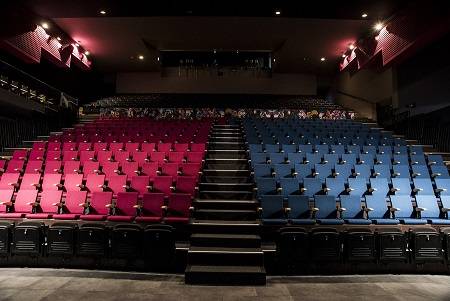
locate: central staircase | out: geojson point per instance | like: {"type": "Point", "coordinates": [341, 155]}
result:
{"type": "Point", "coordinates": [225, 241]}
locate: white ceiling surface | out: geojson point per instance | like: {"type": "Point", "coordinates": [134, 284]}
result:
{"type": "Point", "coordinates": [298, 44]}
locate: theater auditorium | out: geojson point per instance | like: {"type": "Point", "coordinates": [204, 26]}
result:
{"type": "Point", "coordinates": [235, 150]}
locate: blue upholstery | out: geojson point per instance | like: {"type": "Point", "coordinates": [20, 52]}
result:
{"type": "Point", "coordinates": [303, 170]}
{"type": "Point", "coordinates": [439, 171]}
{"type": "Point", "coordinates": [366, 159]}
{"type": "Point", "coordinates": [423, 186]}
{"type": "Point", "coordinates": [417, 159]}
{"type": "Point", "coordinates": [382, 171]}
{"type": "Point", "coordinates": [343, 170]}
{"type": "Point", "coordinates": [416, 150]}
{"type": "Point", "coordinates": [401, 186]}
{"type": "Point", "coordinates": [283, 170]}
{"type": "Point", "coordinates": [289, 186]}
{"type": "Point", "coordinates": [300, 212]}
{"type": "Point", "coordinates": [305, 148]}
{"type": "Point", "coordinates": [420, 171]}
{"type": "Point", "coordinates": [331, 158]}
{"type": "Point", "coordinates": [272, 148]}
{"type": "Point", "coordinates": [401, 159]}
{"type": "Point", "coordinates": [335, 186]}
{"type": "Point", "coordinates": [400, 150]}
{"type": "Point", "coordinates": [384, 159]}
{"type": "Point", "coordinates": [379, 186]}
{"type": "Point", "coordinates": [322, 148]}
{"type": "Point", "coordinates": [313, 158]}
{"type": "Point", "coordinates": [296, 158]}
{"type": "Point", "coordinates": [255, 148]}
{"type": "Point", "coordinates": [353, 213]}
{"type": "Point", "coordinates": [258, 158]}
{"type": "Point", "coordinates": [327, 210]}
{"type": "Point", "coordinates": [353, 149]}
{"type": "Point", "coordinates": [312, 186]}
{"type": "Point", "coordinates": [337, 149]}
{"type": "Point", "coordinates": [385, 149]}
{"type": "Point", "coordinates": [369, 149]}
{"type": "Point", "coordinates": [401, 171]}
{"type": "Point", "coordinates": [272, 210]}
{"type": "Point", "coordinates": [442, 186]}
{"type": "Point", "coordinates": [404, 211]}
{"type": "Point", "coordinates": [277, 158]}
{"type": "Point", "coordinates": [322, 171]}
{"type": "Point", "coordinates": [349, 158]}
{"type": "Point", "coordinates": [378, 211]}
{"type": "Point", "coordinates": [266, 186]}
{"type": "Point", "coordinates": [357, 186]}
{"type": "Point", "coordinates": [435, 160]}
{"type": "Point", "coordinates": [262, 170]}
{"type": "Point", "coordinates": [431, 210]}
{"type": "Point", "coordinates": [289, 148]}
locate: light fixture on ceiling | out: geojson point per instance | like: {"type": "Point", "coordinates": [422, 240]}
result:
{"type": "Point", "coordinates": [322, 59]}
{"type": "Point", "coordinates": [141, 57]}
{"type": "Point", "coordinates": [344, 55]}
{"type": "Point", "coordinates": [45, 25]}
{"type": "Point", "coordinates": [86, 53]}
{"type": "Point", "coordinates": [157, 58]}
{"type": "Point", "coordinates": [364, 15]}
{"type": "Point", "coordinates": [77, 45]}
{"type": "Point", "coordinates": [215, 51]}
{"type": "Point", "coordinates": [103, 12]}
{"type": "Point", "coordinates": [277, 12]}
{"type": "Point", "coordinates": [378, 26]}
{"type": "Point", "coordinates": [351, 46]}
{"type": "Point", "coordinates": [58, 38]}
{"type": "Point", "coordinates": [274, 60]}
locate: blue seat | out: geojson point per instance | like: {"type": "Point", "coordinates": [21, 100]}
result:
{"type": "Point", "coordinates": [337, 149]}
{"type": "Point", "coordinates": [363, 171]}
{"type": "Point", "coordinates": [305, 148]}
{"type": "Point", "coordinates": [417, 159]}
{"type": "Point", "coordinates": [401, 171]}
{"type": "Point", "coordinates": [255, 148]}
{"type": "Point", "coordinates": [401, 159]}
{"type": "Point", "coordinates": [348, 159]}
{"type": "Point", "coordinates": [334, 186]}
{"type": "Point", "coordinates": [404, 211]}
{"type": "Point", "coordinates": [401, 186]}
{"type": "Point", "coordinates": [272, 210]}
{"type": "Point", "coordinates": [277, 158]}
{"type": "Point", "coordinates": [416, 150]}
{"type": "Point", "coordinates": [326, 210]}
{"type": "Point", "coordinates": [383, 159]}
{"type": "Point", "coordinates": [296, 158]}
{"type": "Point", "coordinates": [258, 158]}
{"type": "Point", "coordinates": [400, 150]}
{"type": "Point", "coordinates": [322, 171]}
{"type": "Point", "coordinates": [272, 148]}
{"type": "Point", "coordinates": [289, 186]}
{"type": "Point", "coordinates": [313, 158]}
{"type": "Point", "coordinates": [423, 186]}
{"type": "Point", "coordinates": [351, 210]}
{"type": "Point", "coordinates": [354, 149]}
{"type": "Point", "coordinates": [343, 170]}
{"type": "Point", "coordinates": [420, 171]}
{"type": "Point", "coordinates": [289, 148]}
{"type": "Point", "coordinates": [322, 148]}
{"type": "Point", "coordinates": [435, 160]}
{"type": "Point", "coordinates": [266, 186]}
{"type": "Point", "coordinates": [382, 171]}
{"type": "Point", "coordinates": [311, 186]}
{"type": "Point", "coordinates": [357, 186]}
{"type": "Point", "coordinates": [439, 171]}
{"type": "Point", "coordinates": [445, 202]}
{"type": "Point", "coordinates": [379, 186]}
{"type": "Point", "coordinates": [300, 210]}
{"type": "Point", "coordinates": [262, 170]}
{"type": "Point", "coordinates": [283, 170]}
{"type": "Point", "coordinates": [442, 186]}
{"type": "Point", "coordinates": [366, 159]}
{"type": "Point", "coordinates": [429, 210]}
{"type": "Point", "coordinates": [302, 170]}
{"type": "Point", "coordinates": [378, 211]}
{"type": "Point", "coordinates": [385, 149]}
{"type": "Point", "coordinates": [331, 158]}
{"type": "Point", "coordinates": [369, 149]}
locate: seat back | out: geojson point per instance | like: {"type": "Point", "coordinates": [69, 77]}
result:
{"type": "Point", "coordinates": [272, 206]}
{"type": "Point", "coordinates": [23, 200]}
{"type": "Point", "coordinates": [5, 197]}
{"type": "Point", "coordinates": [73, 182]}
{"type": "Point", "coordinates": [179, 204]}
{"type": "Point", "coordinates": [125, 203]}
{"type": "Point", "coordinates": [326, 205]}
{"type": "Point", "coordinates": [73, 201]}
{"type": "Point", "coordinates": [140, 184]}
{"type": "Point", "coordinates": [48, 200]}
{"type": "Point", "coordinates": [186, 184]}
{"type": "Point", "coordinates": [30, 181]}
{"type": "Point", "coordinates": [352, 206]}
{"type": "Point", "coordinates": [299, 205]}
{"type": "Point", "coordinates": [98, 202]}
{"type": "Point", "coordinates": [152, 204]}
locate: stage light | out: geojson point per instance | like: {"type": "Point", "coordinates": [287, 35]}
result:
{"type": "Point", "coordinates": [45, 25]}
{"type": "Point", "coordinates": [351, 46]}
{"type": "Point", "coordinates": [322, 59]}
{"type": "Point", "coordinates": [141, 57]}
{"type": "Point", "coordinates": [157, 58]}
{"type": "Point", "coordinates": [277, 12]}
{"type": "Point", "coordinates": [77, 45]}
{"type": "Point", "coordinates": [378, 26]}
{"type": "Point", "coordinates": [344, 55]}
{"type": "Point", "coordinates": [364, 15]}
{"type": "Point", "coordinates": [377, 38]}
{"type": "Point", "coordinates": [86, 53]}
{"type": "Point", "coordinates": [103, 12]}
{"type": "Point", "coordinates": [58, 38]}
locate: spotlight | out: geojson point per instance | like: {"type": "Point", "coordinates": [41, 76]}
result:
{"type": "Point", "coordinates": [274, 60]}
{"type": "Point", "coordinates": [86, 53]}
{"type": "Point", "coordinates": [58, 38]}
{"type": "Point", "coordinates": [45, 25]}
{"type": "Point", "coordinates": [277, 12]}
{"type": "Point", "coordinates": [344, 55]}
{"type": "Point", "coordinates": [141, 57]}
{"type": "Point", "coordinates": [215, 51]}
{"type": "Point", "coordinates": [103, 12]}
{"type": "Point", "coordinates": [377, 38]}
{"type": "Point", "coordinates": [157, 58]}
{"type": "Point", "coordinates": [364, 15]}
{"type": "Point", "coordinates": [378, 26]}
{"type": "Point", "coordinates": [77, 45]}
{"type": "Point", "coordinates": [351, 46]}
{"type": "Point", "coordinates": [322, 59]}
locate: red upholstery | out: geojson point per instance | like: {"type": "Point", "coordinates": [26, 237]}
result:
{"type": "Point", "coordinates": [104, 156]}
{"type": "Point", "coordinates": [98, 209]}
{"type": "Point", "coordinates": [164, 147]}
{"type": "Point", "coordinates": [95, 182]}
{"type": "Point", "coordinates": [15, 166]}
{"type": "Point", "coordinates": [9, 180]}
{"type": "Point", "coordinates": [24, 201]}
{"type": "Point", "coordinates": [151, 209]}
{"type": "Point", "coordinates": [51, 182]}
{"type": "Point", "coordinates": [54, 146]}
{"type": "Point", "coordinates": [130, 168]}
{"type": "Point", "coordinates": [53, 155]}
{"type": "Point", "coordinates": [30, 181]}
{"type": "Point", "coordinates": [5, 197]}
{"type": "Point", "coordinates": [186, 184]}
{"type": "Point", "coordinates": [85, 146]}
{"type": "Point", "coordinates": [36, 155]}
{"type": "Point", "coordinates": [169, 169]}
{"type": "Point", "coordinates": [117, 183]}
{"type": "Point", "coordinates": [87, 156]}
{"type": "Point", "coordinates": [69, 155]}
{"type": "Point", "coordinates": [121, 156]}
{"type": "Point", "coordinates": [178, 208]}
{"type": "Point", "coordinates": [100, 146]}
{"type": "Point", "coordinates": [125, 207]}
{"type": "Point", "coordinates": [198, 147]}
{"type": "Point", "coordinates": [190, 169]}
{"type": "Point", "coordinates": [163, 184]}
{"type": "Point", "coordinates": [52, 167]}
{"type": "Point", "coordinates": [159, 157]}
{"type": "Point", "coordinates": [34, 166]}
{"type": "Point", "coordinates": [40, 145]}
{"type": "Point", "coordinates": [69, 146]}
{"type": "Point", "coordinates": [131, 146]}
{"type": "Point", "coordinates": [180, 147]}
{"type": "Point", "coordinates": [90, 167]}
{"type": "Point", "coordinates": [195, 157]}
{"type": "Point", "coordinates": [20, 154]}
{"type": "Point", "coordinates": [110, 169]}
{"type": "Point", "coordinates": [140, 184]}
{"type": "Point", "coordinates": [73, 182]}
{"type": "Point", "coordinates": [72, 209]}
{"type": "Point", "coordinates": [150, 169]}
{"type": "Point", "coordinates": [140, 157]}
{"type": "Point", "coordinates": [71, 167]}
{"type": "Point", "coordinates": [116, 146]}
{"type": "Point", "coordinates": [176, 157]}
{"type": "Point", "coordinates": [148, 147]}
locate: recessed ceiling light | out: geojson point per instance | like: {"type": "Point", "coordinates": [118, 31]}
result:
{"type": "Point", "coordinates": [274, 60]}
{"type": "Point", "coordinates": [45, 25]}
{"type": "Point", "coordinates": [157, 58]}
{"type": "Point", "coordinates": [103, 12]}
{"type": "Point", "coordinates": [141, 57]}
{"type": "Point", "coordinates": [344, 55]}
{"type": "Point", "coordinates": [378, 26]}
{"type": "Point", "coordinates": [277, 12]}
{"type": "Point", "coordinates": [364, 15]}
{"type": "Point", "coordinates": [87, 53]}
{"type": "Point", "coordinates": [322, 59]}
{"type": "Point", "coordinates": [58, 38]}
{"type": "Point", "coordinates": [351, 46]}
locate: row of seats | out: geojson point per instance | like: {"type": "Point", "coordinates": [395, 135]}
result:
{"type": "Point", "coordinates": [93, 240]}
{"type": "Point", "coordinates": [352, 186]}
{"type": "Point", "coordinates": [100, 206]}
{"type": "Point", "coordinates": [376, 209]}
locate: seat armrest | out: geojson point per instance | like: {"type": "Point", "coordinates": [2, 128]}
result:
{"type": "Point", "coordinates": [420, 209]}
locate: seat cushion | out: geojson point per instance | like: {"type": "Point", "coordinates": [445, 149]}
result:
{"type": "Point", "coordinates": [148, 219]}
{"type": "Point", "coordinates": [274, 221]}
{"type": "Point", "coordinates": [413, 221]}
{"type": "Point", "coordinates": [358, 221]}
{"type": "Point", "coordinates": [330, 221]}
{"type": "Point", "coordinates": [39, 216]}
{"type": "Point", "coordinates": [66, 216]}
{"type": "Point", "coordinates": [120, 218]}
{"type": "Point", "coordinates": [302, 221]}
{"type": "Point", "coordinates": [386, 221]}
{"type": "Point", "coordinates": [12, 215]}
{"type": "Point", "coordinates": [93, 217]}
{"type": "Point", "coordinates": [174, 219]}
{"type": "Point", "coordinates": [439, 221]}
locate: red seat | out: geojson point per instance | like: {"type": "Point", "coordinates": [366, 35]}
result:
{"type": "Point", "coordinates": [5, 199]}
{"type": "Point", "coordinates": [99, 206]}
{"type": "Point", "coordinates": [36, 155]}
{"type": "Point", "coordinates": [190, 169]}
{"type": "Point", "coordinates": [30, 181]}
{"type": "Point", "coordinates": [116, 146]}
{"type": "Point", "coordinates": [194, 157]}
{"type": "Point", "coordinates": [15, 166]}
{"type": "Point", "coordinates": [47, 206]}
{"type": "Point", "coordinates": [69, 146]}
{"type": "Point", "coordinates": [140, 184]}
{"type": "Point", "coordinates": [84, 146]}
{"type": "Point", "coordinates": [125, 207]}
{"type": "Point", "coordinates": [180, 147]}
{"type": "Point", "coordinates": [164, 147]}
{"type": "Point", "coordinates": [69, 155]}
{"type": "Point", "coordinates": [73, 182]}
{"type": "Point", "coordinates": [100, 146]}
{"type": "Point", "coordinates": [178, 209]}
{"type": "Point", "coordinates": [25, 200]}
{"type": "Point", "coordinates": [53, 155]}
{"type": "Point", "coordinates": [73, 205]}
{"type": "Point", "coordinates": [51, 182]}
{"type": "Point", "coordinates": [90, 167]}
{"type": "Point", "coordinates": [163, 184]}
{"type": "Point", "coordinates": [198, 147]}
{"type": "Point", "coordinates": [71, 167]}
{"type": "Point", "coordinates": [9, 180]}
{"type": "Point", "coordinates": [54, 146]}
{"type": "Point", "coordinates": [33, 167]}
{"type": "Point", "coordinates": [110, 169]}
{"type": "Point", "coordinates": [104, 156]}
{"type": "Point", "coordinates": [39, 145]}
{"type": "Point", "coordinates": [150, 169]}
{"type": "Point", "coordinates": [95, 183]}
{"type": "Point", "coordinates": [117, 183]}
{"type": "Point", "coordinates": [159, 157]}
{"type": "Point", "coordinates": [176, 157]}
{"type": "Point", "coordinates": [20, 154]}
{"type": "Point", "coordinates": [148, 147]}
{"type": "Point", "coordinates": [87, 156]}
{"type": "Point", "coordinates": [130, 168]}
{"type": "Point", "coordinates": [151, 208]}
{"type": "Point", "coordinates": [132, 146]}
{"type": "Point", "coordinates": [140, 158]}
{"type": "Point", "coordinates": [53, 167]}
{"type": "Point", "coordinates": [186, 184]}
{"type": "Point", "coordinates": [169, 169]}
{"type": "Point", "coordinates": [121, 156]}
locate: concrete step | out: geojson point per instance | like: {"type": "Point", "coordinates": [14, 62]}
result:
{"type": "Point", "coordinates": [225, 214]}
{"type": "Point", "coordinates": [226, 240]}
{"type": "Point", "coordinates": [225, 204]}
{"type": "Point", "coordinates": [225, 275]}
